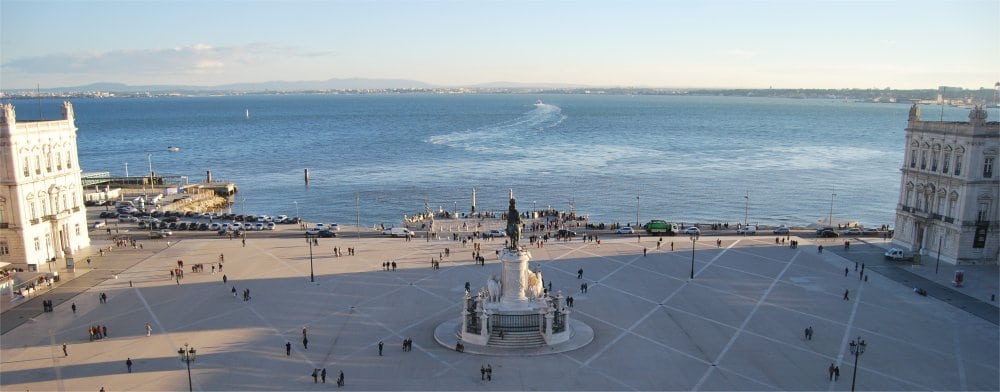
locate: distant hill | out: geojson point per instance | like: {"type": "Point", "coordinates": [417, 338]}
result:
{"type": "Point", "coordinates": [306, 85]}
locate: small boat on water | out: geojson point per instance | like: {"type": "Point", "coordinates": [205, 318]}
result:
{"type": "Point", "coordinates": [173, 149]}
{"type": "Point", "coordinates": [539, 103]}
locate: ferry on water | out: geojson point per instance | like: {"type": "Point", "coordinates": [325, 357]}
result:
{"type": "Point", "coordinates": [173, 149]}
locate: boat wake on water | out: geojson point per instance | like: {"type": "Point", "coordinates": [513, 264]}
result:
{"type": "Point", "coordinates": [501, 136]}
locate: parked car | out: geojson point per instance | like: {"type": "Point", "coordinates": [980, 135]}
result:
{"type": "Point", "coordinates": [496, 233]}
{"type": "Point", "coordinates": [326, 234]}
{"type": "Point", "coordinates": [259, 226]}
{"type": "Point", "coordinates": [871, 232]}
{"type": "Point", "coordinates": [315, 231]}
{"type": "Point", "coordinates": [98, 224]}
{"type": "Point", "coordinates": [748, 229]}
{"type": "Point", "coordinates": [780, 230]}
{"type": "Point", "coordinates": [269, 226]}
{"type": "Point", "coordinates": [214, 227]}
{"type": "Point", "coordinates": [625, 230]}
{"type": "Point", "coordinates": [851, 231]}
{"type": "Point", "coordinates": [565, 233]}
{"type": "Point", "coordinates": [692, 231]}
{"type": "Point", "coordinates": [822, 229]}
{"type": "Point", "coordinates": [828, 234]}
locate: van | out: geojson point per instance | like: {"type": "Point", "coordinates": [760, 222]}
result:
{"type": "Point", "coordinates": [398, 232]}
{"type": "Point", "coordinates": [748, 229]}
{"type": "Point", "coordinates": [898, 255]}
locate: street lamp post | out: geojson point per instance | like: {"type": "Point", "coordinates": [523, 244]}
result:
{"type": "Point", "coordinates": [746, 210]}
{"type": "Point", "coordinates": [187, 356]}
{"type": "Point", "coordinates": [636, 208]}
{"type": "Point", "coordinates": [857, 348]}
{"type": "Point", "coordinates": [694, 238]}
{"type": "Point", "coordinates": [312, 277]}
{"type": "Point", "coordinates": [830, 222]}
{"type": "Point", "coordinates": [938, 264]}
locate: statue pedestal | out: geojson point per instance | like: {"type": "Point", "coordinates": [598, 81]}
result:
{"type": "Point", "coordinates": [514, 269]}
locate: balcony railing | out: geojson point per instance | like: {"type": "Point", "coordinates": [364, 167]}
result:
{"type": "Point", "coordinates": [949, 219]}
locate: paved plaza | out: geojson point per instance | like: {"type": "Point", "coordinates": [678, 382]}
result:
{"type": "Point", "coordinates": [738, 325]}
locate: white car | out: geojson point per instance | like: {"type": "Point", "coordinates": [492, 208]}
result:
{"type": "Point", "coordinates": [691, 230]}
{"type": "Point", "coordinates": [625, 230]}
{"type": "Point", "coordinates": [269, 226]}
{"type": "Point", "coordinates": [496, 233]}
{"type": "Point", "coordinates": [214, 227]}
{"type": "Point", "coordinates": [314, 231]}
{"type": "Point", "coordinates": [751, 229]}
{"type": "Point", "coordinates": [259, 226]}
{"type": "Point", "coordinates": [98, 224]}
{"type": "Point", "coordinates": [333, 227]}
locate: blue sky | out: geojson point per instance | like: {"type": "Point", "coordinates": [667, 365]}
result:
{"type": "Point", "coordinates": [720, 43]}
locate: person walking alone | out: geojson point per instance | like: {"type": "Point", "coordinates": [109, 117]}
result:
{"type": "Point", "coordinates": [288, 349]}
{"type": "Point", "coordinates": [65, 353]}
{"type": "Point", "coordinates": [149, 329]}
{"type": "Point", "coordinates": [128, 364]}
{"type": "Point", "coordinates": [380, 348]}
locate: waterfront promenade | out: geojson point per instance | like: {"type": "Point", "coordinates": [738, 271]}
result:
{"type": "Point", "coordinates": [738, 325]}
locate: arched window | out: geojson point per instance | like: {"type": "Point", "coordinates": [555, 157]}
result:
{"type": "Point", "coordinates": [69, 161]}
{"type": "Point", "coordinates": [27, 167]}
{"type": "Point", "coordinates": [48, 162]}
{"type": "Point", "coordinates": [38, 164]}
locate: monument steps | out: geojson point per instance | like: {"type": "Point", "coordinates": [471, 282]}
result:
{"type": "Point", "coordinates": [528, 339]}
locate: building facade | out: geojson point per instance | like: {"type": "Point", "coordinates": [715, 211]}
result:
{"type": "Point", "coordinates": [42, 215]}
{"type": "Point", "coordinates": [950, 190]}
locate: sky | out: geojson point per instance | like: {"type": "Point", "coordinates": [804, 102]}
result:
{"type": "Point", "coordinates": [906, 44]}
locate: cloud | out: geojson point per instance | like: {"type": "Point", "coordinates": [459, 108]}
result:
{"type": "Point", "coordinates": [193, 59]}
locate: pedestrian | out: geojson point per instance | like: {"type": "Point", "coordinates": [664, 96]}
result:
{"type": "Point", "coordinates": [579, 273]}
{"type": "Point", "coordinates": [830, 370]}
{"type": "Point", "coordinates": [846, 291]}
{"type": "Point", "coordinates": [65, 353]}
{"type": "Point", "coordinates": [845, 271]}
{"type": "Point", "coordinates": [380, 348]}
{"type": "Point", "coordinates": [73, 306]}
{"type": "Point", "coordinates": [234, 291]}
{"type": "Point", "coordinates": [482, 372]}
{"type": "Point", "coordinates": [489, 372]}
{"type": "Point", "coordinates": [128, 364]}
{"type": "Point", "coordinates": [644, 252]}
{"type": "Point", "coordinates": [305, 343]}
{"type": "Point", "coordinates": [225, 279]}
{"type": "Point", "coordinates": [806, 333]}
{"type": "Point", "coordinates": [316, 375]}
{"type": "Point", "coordinates": [323, 375]}
{"type": "Point", "coordinates": [149, 329]}
{"type": "Point", "coordinates": [836, 373]}
{"type": "Point", "coordinates": [340, 379]}
{"type": "Point", "coordinates": [104, 330]}
{"type": "Point", "coordinates": [820, 248]}
{"type": "Point", "coordinates": [288, 349]}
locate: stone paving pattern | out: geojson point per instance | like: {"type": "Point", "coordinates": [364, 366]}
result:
{"type": "Point", "coordinates": [738, 325]}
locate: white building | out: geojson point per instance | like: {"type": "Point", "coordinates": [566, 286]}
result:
{"type": "Point", "coordinates": [948, 202]}
{"type": "Point", "coordinates": [42, 216]}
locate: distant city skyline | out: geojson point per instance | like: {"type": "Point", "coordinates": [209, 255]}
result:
{"type": "Point", "coordinates": [683, 44]}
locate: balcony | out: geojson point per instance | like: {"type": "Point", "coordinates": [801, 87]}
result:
{"type": "Point", "coordinates": [949, 219]}
{"type": "Point", "coordinates": [936, 216]}
{"type": "Point", "coordinates": [906, 209]}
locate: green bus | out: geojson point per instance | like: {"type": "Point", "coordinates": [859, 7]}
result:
{"type": "Point", "coordinates": [661, 227]}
